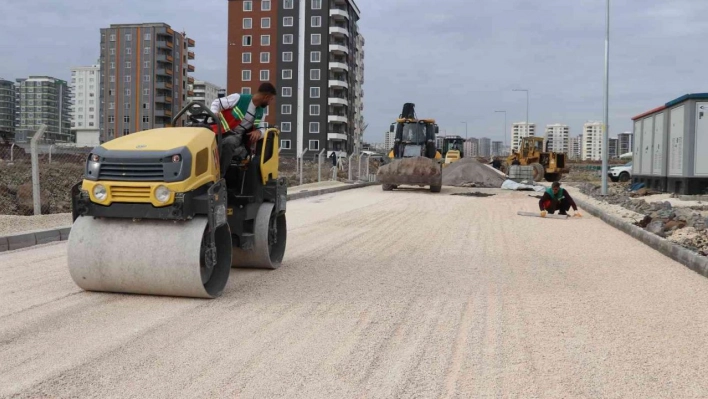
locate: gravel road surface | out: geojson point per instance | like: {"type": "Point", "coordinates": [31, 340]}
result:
{"type": "Point", "coordinates": [382, 295]}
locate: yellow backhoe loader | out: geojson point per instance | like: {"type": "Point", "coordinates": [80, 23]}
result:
{"type": "Point", "coordinates": [546, 164]}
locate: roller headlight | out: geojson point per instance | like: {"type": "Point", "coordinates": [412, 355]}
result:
{"type": "Point", "coordinates": [162, 194]}
{"type": "Point", "coordinates": [100, 192]}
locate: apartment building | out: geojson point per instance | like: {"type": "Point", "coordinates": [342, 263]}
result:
{"type": "Point", "coordinates": [520, 130]}
{"type": "Point", "coordinates": [312, 51]}
{"type": "Point", "coordinates": [7, 109]}
{"type": "Point", "coordinates": [574, 146]}
{"type": "Point", "coordinates": [485, 147]}
{"type": "Point", "coordinates": [43, 100]}
{"type": "Point", "coordinates": [203, 91]}
{"type": "Point", "coordinates": [144, 72]}
{"type": "Point", "coordinates": [592, 141]}
{"type": "Point", "coordinates": [85, 96]}
{"type": "Point", "coordinates": [613, 148]}
{"type": "Point", "coordinates": [626, 142]}
{"type": "Point", "coordinates": [557, 136]}
{"type": "Point", "coordinates": [389, 139]}
{"type": "Point", "coordinates": [470, 148]}
{"type": "Point", "coordinates": [497, 148]}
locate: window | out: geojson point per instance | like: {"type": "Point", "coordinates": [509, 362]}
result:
{"type": "Point", "coordinates": [265, 23]}
{"type": "Point", "coordinates": [111, 105]}
{"type": "Point", "coordinates": [126, 119]}
{"type": "Point", "coordinates": [146, 50]}
{"type": "Point", "coordinates": [127, 78]}
{"type": "Point", "coordinates": [111, 118]}
{"type": "Point", "coordinates": [265, 5]}
{"type": "Point", "coordinates": [285, 127]}
{"type": "Point", "coordinates": [113, 38]}
{"type": "Point", "coordinates": [128, 50]}
{"type": "Point", "coordinates": [127, 92]}
{"type": "Point", "coordinates": [246, 75]}
{"type": "Point", "coordinates": [146, 105]}
{"type": "Point", "coordinates": [314, 144]}
{"type": "Point", "coordinates": [126, 131]}
{"type": "Point", "coordinates": [314, 127]}
{"type": "Point", "coordinates": [146, 92]}
{"type": "Point", "coordinates": [146, 64]}
{"type": "Point", "coordinates": [314, 110]}
{"type": "Point", "coordinates": [287, 56]}
{"type": "Point", "coordinates": [245, 90]}
{"type": "Point", "coordinates": [247, 40]}
{"type": "Point", "coordinates": [248, 5]}
{"type": "Point", "coordinates": [247, 23]}
{"type": "Point", "coordinates": [265, 75]}
{"type": "Point", "coordinates": [113, 65]}
{"type": "Point", "coordinates": [288, 38]}
{"type": "Point", "coordinates": [287, 91]}
{"type": "Point", "coordinates": [127, 64]}
{"type": "Point", "coordinates": [314, 92]}
{"type": "Point", "coordinates": [146, 119]}
{"type": "Point", "coordinates": [147, 36]}
{"type": "Point", "coordinates": [285, 144]}
{"type": "Point", "coordinates": [128, 37]}
{"type": "Point", "coordinates": [146, 78]}
{"type": "Point", "coordinates": [286, 109]}
{"type": "Point", "coordinates": [126, 105]}
{"type": "Point", "coordinates": [287, 21]}
{"type": "Point", "coordinates": [288, 4]}
{"type": "Point", "coordinates": [287, 73]}
{"type": "Point", "coordinates": [265, 40]}
{"type": "Point", "coordinates": [315, 39]}
{"type": "Point", "coordinates": [315, 56]}
{"type": "Point", "coordinates": [316, 4]}
{"type": "Point", "coordinates": [314, 74]}
{"type": "Point", "coordinates": [246, 58]}
{"type": "Point", "coordinates": [113, 79]}
{"type": "Point", "coordinates": [265, 58]}
{"type": "Point", "coordinates": [316, 21]}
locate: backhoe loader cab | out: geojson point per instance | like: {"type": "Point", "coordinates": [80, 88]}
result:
{"type": "Point", "coordinates": [453, 149]}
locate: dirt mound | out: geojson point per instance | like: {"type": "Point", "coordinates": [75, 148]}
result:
{"type": "Point", "coordinates": [468, 170]}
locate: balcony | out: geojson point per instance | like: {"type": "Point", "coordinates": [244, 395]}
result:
{"type": "Point", "coordinates": [337, 119]}
{"type": "Point", "coordinates": [338, 101]}
{"type": "Point", "coordinates": [170, 31]}
{"type": "Point", "coordinates": [190, 68]}
{"type": "Point", "coordinates": [163, 85]}
{"type": "Point", "coordinates": [338, 83]}
{"type": "Point", "coordinates": [165, 58]}
{"type": "Point", "coordinates": [338, 32]}
{"type": "Point", "coordinates": [164, 44]}
{"type": "Point", "coordinates": [337, 136]}
{"type": "Point", "coordinates": [190, 42]}
{"type": "Point", "coordinates": [163, 99]}
{"type": "Point", "coordinates": [338, 49]}
{"type": "Point", "coordinates": [338, 66]}
{"type": "Point", "coordinates": [190, 93]}
{"type": "Point", "coordinates": [163, 112]}
{"type": "Point", "coordinates": [190, 80]}
{"type": "Point", "coordinates": [190, 55]}
{"type": "Point", "coordinates": [338, 14]}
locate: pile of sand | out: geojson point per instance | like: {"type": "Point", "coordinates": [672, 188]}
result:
{"type": "Point", "coordinates": [468, 170]}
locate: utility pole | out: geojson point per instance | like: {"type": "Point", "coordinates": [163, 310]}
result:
{"type": "Point", "coordinates": [605, 132]}
{"type": "Point", "coordinates": [465, 130]}
{"type": "Point", "coordinates": [528, 123]}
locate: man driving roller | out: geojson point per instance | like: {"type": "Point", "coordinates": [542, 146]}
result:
{"type": "Point", "coordinates": [239, 115]}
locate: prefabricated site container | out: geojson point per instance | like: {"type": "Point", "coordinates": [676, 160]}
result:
{"type": "Point", "coordinates": [679, 146]}
{"type": "Point", "coordinates": [648, 165]}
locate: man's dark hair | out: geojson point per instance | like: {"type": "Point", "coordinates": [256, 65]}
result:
{"type": "Point", "coordinates": [267, 88]}
{"type": "Point", "coordinates": [555, 184]}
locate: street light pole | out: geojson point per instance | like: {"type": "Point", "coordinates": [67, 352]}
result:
{"type": "Point", "coordinates": [465, 130]}
{"type": "Point", "coordinates": [504, 132]}
{"type": "Point", "coordinates": [605, 132]}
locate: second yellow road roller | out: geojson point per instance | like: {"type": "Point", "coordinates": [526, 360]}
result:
{"type": "Point", "coordinates": [153, 215]}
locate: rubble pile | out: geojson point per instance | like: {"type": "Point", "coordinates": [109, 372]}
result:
{"type": "Point", "coordinates": [468, 172]}
{"type": "Point", "coordinates": [685, 226]}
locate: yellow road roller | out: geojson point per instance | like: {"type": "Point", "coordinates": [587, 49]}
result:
{"type": "Point", "coordinates": [153, 215]}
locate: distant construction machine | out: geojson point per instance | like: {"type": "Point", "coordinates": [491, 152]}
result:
{"type": "Point", "coordinates": [546, 164]}
{"type": "Point", "coordinates": [452, 149]}
{"type": "Point", "coordinates": [414, 160]}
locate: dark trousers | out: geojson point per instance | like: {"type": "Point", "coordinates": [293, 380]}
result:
{"type": "Point", "coordinates": [562, 206]}
{"type": "Point", "coordinates": [231, 146]}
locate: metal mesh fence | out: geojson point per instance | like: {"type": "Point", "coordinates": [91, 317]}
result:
{"type": "Point", "coordinates": [60, 167]}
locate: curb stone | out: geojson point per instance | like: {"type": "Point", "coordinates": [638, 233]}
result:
{"type": "Point", "coordinates": [691, 260]}
{"type": "Point", "coordinates": [25, 240]}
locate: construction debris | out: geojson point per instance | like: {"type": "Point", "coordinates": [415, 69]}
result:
{"type": "Point", "coordinates": [474, 194]}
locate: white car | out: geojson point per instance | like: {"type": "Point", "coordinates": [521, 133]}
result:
{"type": "Point", "coordinates": [620, 173]}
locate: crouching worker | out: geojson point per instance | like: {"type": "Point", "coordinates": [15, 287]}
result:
{"type": "Point", "coordinates": [240, 115]}
{"type": "Point", "coordinates": [557, 199]}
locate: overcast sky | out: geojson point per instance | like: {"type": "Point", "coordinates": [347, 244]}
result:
{"type": "Point", "coordinates": [457, 60]}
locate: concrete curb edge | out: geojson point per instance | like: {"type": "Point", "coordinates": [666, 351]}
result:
{"type": "Point", "coordinates": [39, 237]}
{"type": "Point", "coordinates": [691, 260]}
